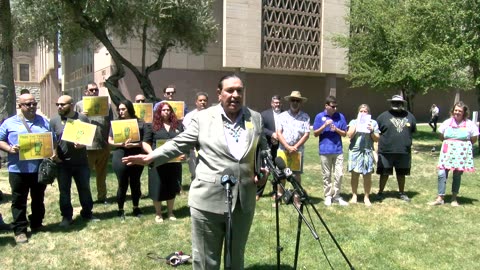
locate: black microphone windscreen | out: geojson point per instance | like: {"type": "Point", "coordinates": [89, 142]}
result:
{"type": "Point", "coordinates": [266, 154]}
{"type": "Point", "coordinates": [280, 163]}
{"type": "Point", "coordinates": [228, 171]}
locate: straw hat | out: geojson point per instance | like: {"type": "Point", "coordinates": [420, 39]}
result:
{"type": "Point", "coordinates": [297, 95]}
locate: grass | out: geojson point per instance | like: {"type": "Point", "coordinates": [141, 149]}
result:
{"type": "Point", "coordinates": [388, 235]}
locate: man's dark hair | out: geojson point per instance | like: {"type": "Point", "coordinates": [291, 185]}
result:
{"type": "Point", "coordinates": [24, 91]}
{"type": "Point", "coordinates": [94, 83]}
{"type": "Point", "coordinates": [330, 99]}
{"type": "Point", "coordinates": [201, 93]}
{"type": "Point", "coordinates": [220, 83]}
{"type": "Point", "coordinates": [276, 97]}
{"type": "Point", "coordinates": [169, 86]}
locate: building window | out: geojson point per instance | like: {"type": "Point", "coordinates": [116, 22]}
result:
{"type": "Point", "coordinates": [24, 72]}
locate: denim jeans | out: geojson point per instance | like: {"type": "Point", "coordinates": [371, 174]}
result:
{"type": "Point", "coordinates": [81, 175]}
{"type": "Point", "coordinates": [21, 184]}
{"type": "Point", "coordinates": [442, 181]}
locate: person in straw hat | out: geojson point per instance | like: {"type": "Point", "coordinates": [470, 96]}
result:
{"type": "Point", "coordinates": [331, 126]}
{"type": "Point", "coordinates": [395, 145]}
{"type": "Point", "coordinates": [293, 130]}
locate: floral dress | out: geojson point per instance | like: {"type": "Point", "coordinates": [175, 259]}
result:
{"type": "Point", "coordinates": [360, 154]}
{"type": "Point", "coordinates": [456, 152]}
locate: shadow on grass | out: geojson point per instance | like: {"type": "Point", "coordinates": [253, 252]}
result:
{"type": "Point", "coordinates": [7, 239]}
{"type": "Point", "coordinates": [461, 200]}
{"type": "Point", "coordinates": [268, 267]}
{"type": "Point", "coordinates": [425, 135]}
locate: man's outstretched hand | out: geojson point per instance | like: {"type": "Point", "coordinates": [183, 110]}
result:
{"type": "Point", "coordinates": [141, 159]}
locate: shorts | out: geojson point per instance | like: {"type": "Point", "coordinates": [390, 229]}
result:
{"type": "Point", "coordinates": [401, 162]}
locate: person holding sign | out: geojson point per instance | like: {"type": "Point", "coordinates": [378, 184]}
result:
{"type": "Point", "coordinates": [127, 175]}
{"type": "Point", "coordinates": [99, 151]}
{"type": "Point", "coordinates": [23, 174]}
{"type": "Point", "coordinates": [363, 132]}
{"type": "Point", "coordinates": [73, 161]}
{"type": "Point", "coordinates": [164, 180]}
{"type": "Point", "coordinates": [330, 126]}
{"type": "Point", "coordinates": [293, 131]}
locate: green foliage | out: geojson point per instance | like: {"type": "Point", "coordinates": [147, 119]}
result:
{"type": "Point", "coordinates": [405, 45]}
{"type": "Point", "coordinates": [186, 23]}
{"type": "Point", "coordinates": [158, 24]}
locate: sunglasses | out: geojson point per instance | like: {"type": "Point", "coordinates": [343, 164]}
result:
{"type": "Point", "coordinates": [140, 100]}
{"type": "Point", "coordinates": [169, 93]}
{"type": "Point", "coordinates": [334, 107]}
{"type": "Point", "coordinates": [295, 100]}
{"type": "Point", "coordinates": [29, 104]}
{"type": "Point", "coordinates": [93, 90]}
{"type": "Point", "coordinates": [62, 104]}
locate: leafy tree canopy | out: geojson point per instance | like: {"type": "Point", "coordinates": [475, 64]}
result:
{"type": "Point", "coordinates": [158, 24]}
{"type": "Point", "coordinates": [397, 45]}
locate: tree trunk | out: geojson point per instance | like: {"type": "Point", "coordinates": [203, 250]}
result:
{"type": "Point", "coordinates": [408, 96]}
{"type": "Point", "coordinates": [476, 77]}
{"type": "Point", "coordinates": [99, 31]}
{"type": "Point", "coordinates": [7, 93]}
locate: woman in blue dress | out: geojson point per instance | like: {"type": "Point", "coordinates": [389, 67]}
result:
{"type": "Point", "coordinates": [363, 132]}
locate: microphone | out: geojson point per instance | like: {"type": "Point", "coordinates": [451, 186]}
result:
{"type": "Point", "coordinates": [283, 167]}
{"type": "Point", "coordinates": [267, 158]}
{"type": "Point", "coordinates": [228, 179]}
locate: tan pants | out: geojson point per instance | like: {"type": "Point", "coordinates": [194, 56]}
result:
{"type": "Point", "coordinates": [332, 166]}
{"type": "Point", "coordinates": [98, 162]}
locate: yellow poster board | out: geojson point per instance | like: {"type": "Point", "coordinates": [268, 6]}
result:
{"type": "Point", "coordinates": [159, 143]}
{"type": "Point", "coordinates": [76, 131]}
{"type": "Point", "coordinates": [144, 111]}
{"type": "Point", "coordinates": [293, 160]}
{"type": "Point", "coordinates": [35, 145]}
{"type": "Point", "coordinates": [125, 129]}
{"type": "Point", "coordinates": [178, 108]}
{"type": "Point", "coordinates": [95, 106]}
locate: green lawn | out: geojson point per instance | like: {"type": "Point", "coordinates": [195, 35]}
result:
{"type": "Point", "coordinates": [389, 235]}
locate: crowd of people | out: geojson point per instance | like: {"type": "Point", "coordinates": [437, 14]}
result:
{"type": "Point", "coordinates": [196, 138]}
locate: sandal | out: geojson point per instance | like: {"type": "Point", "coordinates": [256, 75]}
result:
{"type": "Point", "coordinates": [436, 202]}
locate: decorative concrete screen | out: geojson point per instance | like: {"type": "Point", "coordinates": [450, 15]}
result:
{"type": "Point", "coordinates": [292, 35]}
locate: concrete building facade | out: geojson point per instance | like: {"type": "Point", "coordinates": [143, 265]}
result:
{"type": "Point", "coordinates": [275, 46]}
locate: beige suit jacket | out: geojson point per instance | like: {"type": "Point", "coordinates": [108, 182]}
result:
{"type": "Point", "coordinates": [206, 131]}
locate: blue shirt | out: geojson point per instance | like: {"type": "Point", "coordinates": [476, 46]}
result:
{"type": "Point", "coordinates": [330, 142]}
{"type": "Point", "coordinates": [9, 131]}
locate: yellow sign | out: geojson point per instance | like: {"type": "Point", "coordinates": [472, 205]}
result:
{"type": "Point", "coordinates": [144, 111]}
{"type": "Point", "coordinates": [35, 145]}
{"type": "Point", "coordinates": [178, 108]}
{"type": "Point", "coordinates": [95, 106]}
{"type": "Point", "coordinates": [125, 129]}
{"type": "Point", "coordinates": [293, 160]}
{"type": "Point", "coordinates": [159, 143]}
{"type": "Point", "coordinates": [76, 131]}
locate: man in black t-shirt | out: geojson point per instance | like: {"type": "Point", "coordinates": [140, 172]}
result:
{"type": "Point", "coordinates": [73, 163]}
{"type": "Point", "coordinates": [394, 147]}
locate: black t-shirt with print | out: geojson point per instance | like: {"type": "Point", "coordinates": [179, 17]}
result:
{"type": "Point", "coordinates": [396, 129]}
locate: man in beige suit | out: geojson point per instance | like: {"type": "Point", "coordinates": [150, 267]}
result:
{"type": "Point", "coordinates": [228, 136]}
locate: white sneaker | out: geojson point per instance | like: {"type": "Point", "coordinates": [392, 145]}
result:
{"type": "Point", "coordinates": [328, 201]}
{"type": "Point", "coordinates": [341, 202]}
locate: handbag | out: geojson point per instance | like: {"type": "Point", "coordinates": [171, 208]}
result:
{"type": "Point", "coordinates": [48, 169]}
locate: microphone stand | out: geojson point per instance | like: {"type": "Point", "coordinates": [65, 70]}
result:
{"type": "Point", "coordinates": [307, 202]}
{"type": "Point", "coordinates": [277, 176]}
{"type": "Point", "coordinates": [228, 221]}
